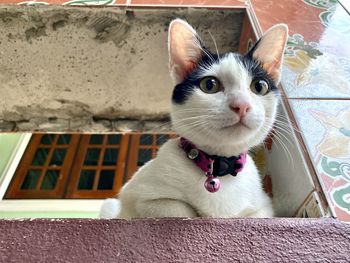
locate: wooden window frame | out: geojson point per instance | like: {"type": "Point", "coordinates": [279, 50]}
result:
{"type": "Point", "coordinates": [74, 192]}
{"type": "Point", "coordinates": [136, 146]}
{"type": "Point", "coordinates": [68, 181]}
{"type": "Point", "coordinates": [15, 192]}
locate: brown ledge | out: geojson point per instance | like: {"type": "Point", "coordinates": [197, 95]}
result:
{"type": "Point", "coordinates": [175, 240]}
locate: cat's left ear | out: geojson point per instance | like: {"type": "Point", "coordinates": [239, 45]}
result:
{"type": "Point", "coordinates": [269, 50]}
{"type": "Point", "coordinates": [184, 49]}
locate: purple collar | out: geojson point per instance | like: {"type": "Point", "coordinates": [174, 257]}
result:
{"type": "Point", "coordinates": [212, 165]}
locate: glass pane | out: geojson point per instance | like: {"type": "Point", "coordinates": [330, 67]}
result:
{"type": "Point", "coordinates": [114, 139]}
{"type": "Point", "coordinates": [146, 139]}
{"type": "Point", "coordinates": [86, 180]}
{"type": "Point", "coordinates": [91, 157]}
{"type": "Point", "coordinates": [50, 179]}
{"type": "Point", "coordinates": [162, 138]}
{"type": "Point", "coordinates": [31, 179]}
{"type": "Point", "coordinates": [111, 157]}
{"type": "Point", "coordinates": [144, 156]}
{"type": "Point", "coordinates": [47, 139]}
{"type": "Point", "coordinates": [58, 157]}
{"type": "Point", "coordinates": [64, 139]}
{"type": "Point", "coordinates": [106, 180]}
{"type": "Point", "coordinates": [96, 139]}
{"type": "Point", "coordinates": [40, 156]}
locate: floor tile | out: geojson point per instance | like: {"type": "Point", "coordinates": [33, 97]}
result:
{"type": "Point", "coordinates": [320, 69]}
{"type": "Point", "coordinates": [325, 127]}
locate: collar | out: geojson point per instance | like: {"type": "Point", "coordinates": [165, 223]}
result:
{"type": "Point", "coordinates": [212, 165]}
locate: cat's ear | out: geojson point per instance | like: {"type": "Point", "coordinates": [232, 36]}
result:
{"type": "Point", "coordinates": [184, 49]}
{"type": "Point", "coordinates": [269, 50]}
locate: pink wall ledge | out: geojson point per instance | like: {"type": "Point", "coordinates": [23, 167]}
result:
{"type": "Point", "coordinates": [175, 240]}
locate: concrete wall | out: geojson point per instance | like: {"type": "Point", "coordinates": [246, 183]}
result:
{"type": "Point", "coordinates": [91, 69]}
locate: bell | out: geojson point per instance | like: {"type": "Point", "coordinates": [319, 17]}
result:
{"type": "Point", "coordinates": [212, 184]}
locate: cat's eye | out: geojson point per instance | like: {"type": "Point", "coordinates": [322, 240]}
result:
{"type": "Point", "coordinates": [210, 85]}
{"type": "Point", "coordinates": [260, 87]}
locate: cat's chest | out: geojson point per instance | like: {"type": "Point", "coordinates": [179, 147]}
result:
{"type": "Point", "coordinates": [230, 200]}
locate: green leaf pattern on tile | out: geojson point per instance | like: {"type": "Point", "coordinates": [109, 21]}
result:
{"type": "Point", "coordinates": [297, 42]}
{"type": "Point", "coordinates": [335, 168]}
{"type": "Point", "coordinates": [341, 196]}
{"type": "Point", "coordinates": [322, 4]}
{"type": "Point", "coordinates": [331, 17]}
{"type": "Point", "coordinates": [90, 2]}
{"type": "Point", "coordinates": [337, 19]}
{"type": "Point", "coordinates": [340, 186]}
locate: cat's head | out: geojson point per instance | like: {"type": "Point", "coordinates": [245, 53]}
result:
{"type": "Point", "coordinates": [225, 103]}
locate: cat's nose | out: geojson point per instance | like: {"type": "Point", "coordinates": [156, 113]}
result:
{"type": "Point", "coordinates": [240, 108]}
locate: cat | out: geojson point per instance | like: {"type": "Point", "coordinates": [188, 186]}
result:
{"type": "Point", "coordinates": [222, 105]}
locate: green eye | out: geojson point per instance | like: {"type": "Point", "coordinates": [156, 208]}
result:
{"type": "Point", "coordinates": [210, 85]}
{"type": "Point", "coordinates": [260, 87]}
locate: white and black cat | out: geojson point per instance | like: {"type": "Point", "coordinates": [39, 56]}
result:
{"type": "Point", "coordinates": [222, 105]}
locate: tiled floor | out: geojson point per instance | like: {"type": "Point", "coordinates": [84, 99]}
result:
{"type": "Point", "coordinates": [316, 79]}
{"type": "Point", "coordinates": [316, 76]}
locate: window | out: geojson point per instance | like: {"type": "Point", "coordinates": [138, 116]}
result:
{"type": "Point", "coordinates": [144, 147]}
{"type": "Point", "coordinates": [99, 166]}
{"type": "Point", "coordinates": [81, 165]}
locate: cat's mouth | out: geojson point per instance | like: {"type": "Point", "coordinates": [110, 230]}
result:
{"type": "Point", "coordinates": [235, 125]}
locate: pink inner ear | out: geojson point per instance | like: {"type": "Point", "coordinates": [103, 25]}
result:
{"type": "Point", "coordinates": [184, 50]}
{"type": "Point", "coordinates": [271, 49]}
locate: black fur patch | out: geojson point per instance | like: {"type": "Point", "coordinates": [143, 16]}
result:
{"type": "Point", "coordinates": [184, 89]}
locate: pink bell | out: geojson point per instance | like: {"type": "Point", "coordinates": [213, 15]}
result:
{"type": "Point", "coordinates": [212, 184]}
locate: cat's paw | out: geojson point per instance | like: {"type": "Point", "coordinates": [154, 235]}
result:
{"type": "Point", "coordinates": [110, 208]}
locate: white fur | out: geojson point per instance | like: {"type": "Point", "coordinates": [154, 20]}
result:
{"type": "Point", "coordinates": [173, 186]}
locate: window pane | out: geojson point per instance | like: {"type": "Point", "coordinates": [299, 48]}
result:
{"type": "Point", "coordinates": [58, 157]}
{"type": "Point", "coordinates": [106, 180]}
{"type": "Point", "coordinates": [50, 179]}
{"type": "Point", "coordinates": [111, 157]}
{"type": "Point", "coordinates": [86, 180]}
{"type": "Point", "coordinates": [47, 139]}
{"type": "Point", "coordinates": [91, 157]}
{"type": "Point", "coordinates": [40, 156]}
{"type": "Point", "coordinates": [114, 139]}
{"type": "Point", "coordinates": [64, 139]}
{"type": "Point", "coordinates": [144, 156]}
{"type": "Point", "coordinates": [162, 138]}
{"type": "Point", "coordinates": [31, 179]}
{"type": "Point", "coordinates": [96, 139]}
{"type": "Point", "coordinates": [146, 139]}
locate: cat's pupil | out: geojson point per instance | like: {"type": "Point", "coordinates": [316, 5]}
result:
{"type": "Point", "coordinates": [258, 87]}
{"type": "Point", "coordinates": [210, 84]}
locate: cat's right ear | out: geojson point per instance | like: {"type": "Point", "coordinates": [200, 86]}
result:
{"type": "Point", "coordinates": [184, 49]}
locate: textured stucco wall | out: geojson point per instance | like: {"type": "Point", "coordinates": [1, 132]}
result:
{"type": "Point", "coordinates": [88, 68]}
{"type": "Point", "coordinates": [175, 240]}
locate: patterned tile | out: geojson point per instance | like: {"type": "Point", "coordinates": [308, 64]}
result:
{"type": "Point", "coordinates": [301, 18]}
{"type": "Point", "coordinates": [325, 127]}
{"type": "Point", "coordinates": [320, 69]}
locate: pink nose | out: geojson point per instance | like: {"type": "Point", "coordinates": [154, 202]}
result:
{"type": "Point", "coordinates": [240, 108]}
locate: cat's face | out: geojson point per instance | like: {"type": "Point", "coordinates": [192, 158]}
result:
{"type": "Point", "coordinates": [224, 103]}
